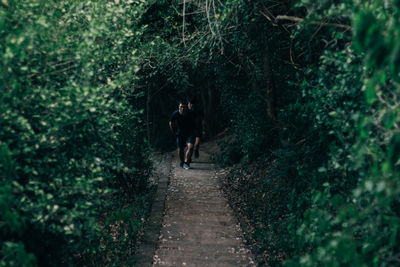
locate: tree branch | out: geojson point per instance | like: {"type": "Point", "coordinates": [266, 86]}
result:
{"type": "Point", "coordinates": [297, 19]}
{"type": "Point", "coordinates": [183, 23]}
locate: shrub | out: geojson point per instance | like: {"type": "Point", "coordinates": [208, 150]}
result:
{"type": "Point", "coordinates": [70, 140]}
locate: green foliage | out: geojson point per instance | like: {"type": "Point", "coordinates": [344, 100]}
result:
{"type": "Point", "coordinates": [318, 157]}
{"type": "Point", "coordinates": [249, 120]}
{"type": "Point", "coordinates": [230, 152]}
{"type": "Point", "coordinates": [337, 158]}
{"type": "Point", "coordinates": [351, 220]}
{"type": "Point", "coordinates": [14, 254]}
{"type": "Point", "coordinates": [312, 107]}
{"type": "Point", "coordinates": [70, 139]}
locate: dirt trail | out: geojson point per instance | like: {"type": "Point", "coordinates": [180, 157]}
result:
{"type": "Point", "coordinates": [199, 228]}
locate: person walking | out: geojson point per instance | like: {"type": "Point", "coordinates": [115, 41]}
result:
{"type": "Point", "coordinates": [199, 124]}
{"type": "Point", "coordinates": [181, 123]}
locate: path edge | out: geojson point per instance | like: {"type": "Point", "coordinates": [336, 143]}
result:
{"type": "Point", "coordinates": [149, 240]}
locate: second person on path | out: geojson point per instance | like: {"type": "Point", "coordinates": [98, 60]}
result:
{"type": "Point", "coordinates": [199, 124]}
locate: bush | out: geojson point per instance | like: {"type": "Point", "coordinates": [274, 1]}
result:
{"type": "Point", "coordinates": [337, 160]}
{"type": "Point", "coordinates": [70, 141]}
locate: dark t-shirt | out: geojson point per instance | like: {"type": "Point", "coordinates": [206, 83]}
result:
{"type": "Point", "coordinates": [185, 123]}
{"type": "Point", "coordinates": [198, 120]}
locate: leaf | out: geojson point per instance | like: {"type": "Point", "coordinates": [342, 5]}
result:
{"type": "Point", "coordinates": [322, 169]}
{"type": "Point", "coordinates": [389, 119]}
{"type": "Point", "coordinates": [370, 94]}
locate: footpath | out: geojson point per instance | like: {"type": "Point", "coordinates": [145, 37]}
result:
{"type": "Point", "coordinates": [197, 227]}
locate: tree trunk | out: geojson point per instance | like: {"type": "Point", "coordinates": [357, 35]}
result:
{"type": "Point", "coordinates": [270, 86]}
{"type": "Point", "coordinates": [210, 109]}
{"type": "Point", "coordinates": [148, 114]}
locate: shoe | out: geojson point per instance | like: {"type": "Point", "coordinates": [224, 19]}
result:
{"type": "Point", "coordinates": [196, 153]}
{"type": "Point", "coordinates": [186, 166]}
{"type": "Point", "coordinates": [181, 164]}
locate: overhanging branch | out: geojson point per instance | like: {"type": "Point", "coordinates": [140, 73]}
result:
{"type": "Point", "coordinates": [297, 19]}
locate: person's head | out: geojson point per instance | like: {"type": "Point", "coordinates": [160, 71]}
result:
{"type": "Point", "coordinates": [183, 106]}
{"type": "Point", "coordinates": [191, 101]}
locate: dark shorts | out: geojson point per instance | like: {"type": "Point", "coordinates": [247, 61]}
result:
{"type": "Point", "coordinates": [197, 132]}
{"type": "Point", "coordinates": [182, 140]}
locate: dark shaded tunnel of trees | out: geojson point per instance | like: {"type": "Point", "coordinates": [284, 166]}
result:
{"type": "Point", "coordinates": [306, 92]}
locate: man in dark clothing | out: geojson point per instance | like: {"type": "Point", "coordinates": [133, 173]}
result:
{"type": "Point", "coordinates": [199, 124]}
{"type": "Point", "coordinates": [181, 124]}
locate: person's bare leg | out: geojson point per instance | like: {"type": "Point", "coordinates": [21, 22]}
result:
{"type": "Point", "coordinates": [196, 147]}
{"type": "Point", "coordinates": [189, 152]}
{"type": "Point", "coordinates": [196, 143]}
